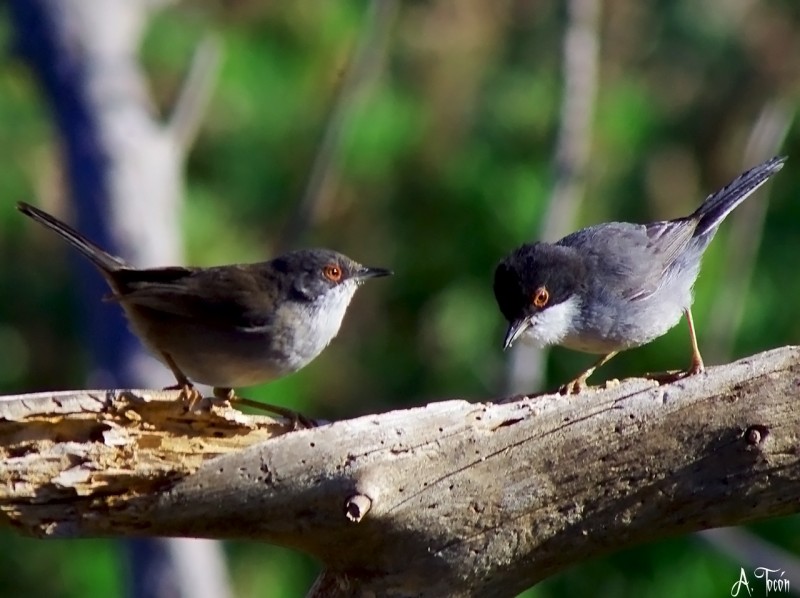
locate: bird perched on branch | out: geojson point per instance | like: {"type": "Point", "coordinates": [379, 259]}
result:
{"type": "Point", "coordinates": [234, 325]}
{"type": "Point", "coordinates": [616, 285]}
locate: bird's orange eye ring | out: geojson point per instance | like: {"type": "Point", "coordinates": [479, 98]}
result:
{"type": "Point", "coordinates": [332, 272]}
{"type": "Point", "coordinates": [540, 297]}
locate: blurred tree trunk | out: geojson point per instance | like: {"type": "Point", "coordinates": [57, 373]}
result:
{"type": "Point", "coordinates": [124, 175]}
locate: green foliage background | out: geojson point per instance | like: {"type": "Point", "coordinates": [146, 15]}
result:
{"type": "Point", "coordinates": [444, 168]}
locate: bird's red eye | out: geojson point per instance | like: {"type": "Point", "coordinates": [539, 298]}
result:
{"type": "Point", "coordinates": [540, 297]}
{"type": "Point", "coordinates": [332, 272]}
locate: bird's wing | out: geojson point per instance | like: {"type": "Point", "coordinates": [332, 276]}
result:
{"type": "Point", "coordinates": [669, 238]}
{"type": "Point", "coordinates": [230, 296]}
{"type": "Point", "coordinates": [628, 259]}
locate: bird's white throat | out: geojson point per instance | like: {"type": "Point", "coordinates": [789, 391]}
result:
{"type": "Point", "coordinates": [552, 325]}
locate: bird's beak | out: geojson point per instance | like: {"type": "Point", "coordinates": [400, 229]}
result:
{"type": "Point", "coordinates": [515, 330]}
{"type": "Point", "coordinates": [364, 272]}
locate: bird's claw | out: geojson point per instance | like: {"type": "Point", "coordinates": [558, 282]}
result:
{"type": "Point", "coordinates": [697, 367]}
{"type": "Point", "coordinates": [675, 375]}
{"type": "Point", "coordinates": [188, 394]}
{"type": "Point", "coordinates": [574, 387]}
{"type": "Point", "coordinates": [296, 419]}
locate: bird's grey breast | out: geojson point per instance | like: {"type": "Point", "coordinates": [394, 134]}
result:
{"type": "Point", "coordinates": [304, 328]}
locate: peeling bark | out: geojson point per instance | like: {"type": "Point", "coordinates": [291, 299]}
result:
{"type": "Point", "coordinates": [451, 498]}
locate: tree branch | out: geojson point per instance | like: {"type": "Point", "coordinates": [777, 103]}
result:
{"type": "Point", "coordinates": [452, 498]}
{"type": "Point", "coordinates": [364, 65]}
{"type": "Point", "coordinates": [195, 94]}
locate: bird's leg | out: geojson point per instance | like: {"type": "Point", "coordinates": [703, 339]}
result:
{"type": "Point", "coordinates": [697, 360]}
{"type": "Point", "coordinates": [189, 394]}
{"type": "Point", "coordinates": [297, 418]}
{"type": "Point", "coordinates": [579, 383]}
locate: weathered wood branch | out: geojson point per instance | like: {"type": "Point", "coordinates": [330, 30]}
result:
{"type": "Point", "coordinates": [452, 498]}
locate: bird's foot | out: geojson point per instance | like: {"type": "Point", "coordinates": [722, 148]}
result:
{"type": "Point", "coordinates": [671, 376]}
{"type": "Point", "coordinates": [574, 387]}
{"type": "Point", "coordinates": [296, 419]}
{"type": "Point", "coordinates": [579, 384]}
{"type": "Point", "coordinates": [189, 394]}
{"type": "Point", "coordinates": [697, 367]}
{"type": "Point", "coordinates": [667, 377]}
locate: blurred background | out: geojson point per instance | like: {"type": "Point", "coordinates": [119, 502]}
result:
{"type": "Point", "coordinates": [432, 138]}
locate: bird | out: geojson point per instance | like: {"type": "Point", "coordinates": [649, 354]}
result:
{"type": "Point", "coordinates": [232, 325]}
{"type": "Point", "coordinates": [616, 285]}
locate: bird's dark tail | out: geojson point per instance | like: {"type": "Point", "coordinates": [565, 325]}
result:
{"type": "Point", "coordinates": [102, 259]}
{"type": "Point", "coordinates": [718, 205]}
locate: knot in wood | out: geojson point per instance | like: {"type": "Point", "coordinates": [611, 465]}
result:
{"type": "Point", "coordinates": [356, 507]}
{"type": "Point", "coordinates": [756, 434]}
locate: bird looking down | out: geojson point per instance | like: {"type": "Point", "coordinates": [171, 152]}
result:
{"type": "Point", "coordinates": [616, 285]}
